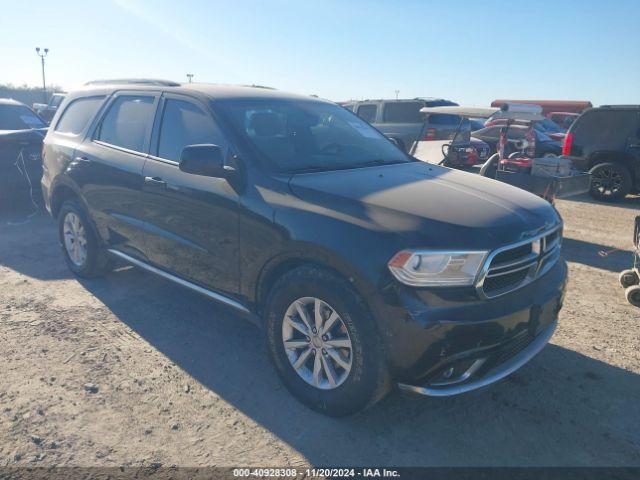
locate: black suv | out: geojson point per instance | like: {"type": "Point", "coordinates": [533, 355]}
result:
{"type": "Point", "coordinates": [606, 142]}
{"type": "Point", "coordinates": [365, 267]}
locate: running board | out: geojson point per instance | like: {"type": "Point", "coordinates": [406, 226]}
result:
{"type": "Point", "coordinates": [180, 281]}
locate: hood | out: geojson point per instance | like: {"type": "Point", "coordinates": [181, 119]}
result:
{"type": "Point", "coordinates": [430, 206]}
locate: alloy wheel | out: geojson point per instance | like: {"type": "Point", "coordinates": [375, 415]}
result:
{"type": "Point", "coordinates": [75, 239]}
{"type": "Point", "coordinates": [606, 181]}
{"type": "Point", "coordinates": [317, 343]}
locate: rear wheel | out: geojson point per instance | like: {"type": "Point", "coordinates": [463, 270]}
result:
{"type": "Point", "coordinates": [610, 181]}
{"type": "Point", "coordinates": [79, 242]}
{"type": "Point", "coordinates": [324, 343]}
{"type": "Point", "coordinates": [633, 295]}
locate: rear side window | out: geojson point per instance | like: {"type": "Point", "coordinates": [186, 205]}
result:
{"type": "Point", "coordinates": [78, 114]}
{"type": "Point", "coordinates": [606, 127]}
{"type": "Point", "coordinates": [403, 112]}
{"type": "Point", "coordinates": [183, 123]}
{"type": "Point", "coordinates": [128, 122]}
{"type": "Point", "coordinates": [367, 112]}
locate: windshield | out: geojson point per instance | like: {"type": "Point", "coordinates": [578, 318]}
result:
{"type": "Point", "coordinates": [298, 136]}
{"type": "Point", "coordinates": [18, 117]}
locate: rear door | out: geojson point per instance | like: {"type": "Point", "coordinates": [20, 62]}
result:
{"type": "Point", "coordinates": [192, 220]}
{"type": "Point", "coordinates": [109, 166]}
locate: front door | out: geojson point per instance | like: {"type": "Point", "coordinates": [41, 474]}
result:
{"type": "Point", "coordinates": [192, 220]}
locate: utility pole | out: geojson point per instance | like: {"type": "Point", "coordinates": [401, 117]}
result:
{"type": "Point", "coordinates": [44, 83]}
{"type": "Point", "coordinates": [190, 77]}
{"type": "Point", "coordinates": [397, 92]}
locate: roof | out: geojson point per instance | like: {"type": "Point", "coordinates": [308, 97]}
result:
{"type": "Point", "coordinates": [134, 81]}
{"type": "Point", "coordinates": [621, 107]}
{"type": "Point", "coordinates": [211, 90]}
{"type": "Point", "coordinates": [10, 101]}
{"type": "Point", "coordinates": [509, 111]}
{"type": "Point", "coordinates": [462, 111]}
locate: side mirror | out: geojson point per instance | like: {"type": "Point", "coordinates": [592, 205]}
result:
{"type": "Point", "coordinates": [206, 160]}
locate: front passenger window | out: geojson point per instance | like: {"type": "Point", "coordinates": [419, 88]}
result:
{"type": "Point", "coordinates": [184, 124]}
{"type": "Point", "coordinates": [128, 122]}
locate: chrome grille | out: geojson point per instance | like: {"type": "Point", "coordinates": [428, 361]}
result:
{"type": "Point", "coordinates": [514, 266]}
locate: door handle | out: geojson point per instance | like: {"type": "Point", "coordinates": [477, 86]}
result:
{"type": "Point", "coordinates": [81, 160]}
{"type": "Point", "coordinates": [155, 181]}
{"type": "Point", "coordinates": [634, 145]}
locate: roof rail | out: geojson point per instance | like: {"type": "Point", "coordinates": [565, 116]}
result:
{"type": "Point", "coordinates": [134, 81]}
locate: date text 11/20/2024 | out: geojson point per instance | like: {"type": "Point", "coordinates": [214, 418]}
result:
{"type": "Point", "coordinates": [316, 472]}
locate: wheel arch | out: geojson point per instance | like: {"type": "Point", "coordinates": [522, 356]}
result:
{"type": "Point", "coordinates": [61, 193]}
{"type": "Point", "coordinates": [604, 156]}
{"type": "Point", "coordinates": [277, 266]}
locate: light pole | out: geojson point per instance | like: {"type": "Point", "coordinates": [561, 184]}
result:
{"type": "Point", "coordinates": [190, 77]}
{"type": "Point", "coordinates": [44, 84]}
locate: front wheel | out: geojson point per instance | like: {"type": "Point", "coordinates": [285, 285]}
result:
{"type": "Point", "coordinates": [628, 278]}
{"type": "Point", "coordinates": [610, 181]}
{"type": "Point", "coordinates": [324, 343]}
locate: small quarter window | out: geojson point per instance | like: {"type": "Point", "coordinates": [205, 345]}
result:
{"type": "Point", "coordinates": [78, 114]}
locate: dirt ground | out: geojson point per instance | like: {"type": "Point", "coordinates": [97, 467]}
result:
{"type": "Point", "coordinates": [130, 370]}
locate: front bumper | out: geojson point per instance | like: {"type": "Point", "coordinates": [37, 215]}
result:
{"type": "Point", "coordinates": [455, 341]}
{"type": "Point", "coordinates": [500, 371]}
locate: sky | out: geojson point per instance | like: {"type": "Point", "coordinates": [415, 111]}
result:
{"type": "Point", "coordinates": [468, 51]}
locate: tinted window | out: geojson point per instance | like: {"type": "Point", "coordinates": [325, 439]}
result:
{"type": "Point", "coordinates": [184, 124]}
{"type": "Point", "coordinates": [367, 112]}
{"type": "Point", "coordinates": [78, 114]}
{"type": "Point", "coordinates": [128, 122]}
{"type": "Point", "coordinates": [403, 112]}
{"type": "Point", "coordinates": [605, 127]}
{"type": "Point", "coordinates": [18, 117]}
{"type": "Point", "coordinates": [310, 136]}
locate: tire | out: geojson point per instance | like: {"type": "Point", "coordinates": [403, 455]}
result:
{"type": "Point", "coordinates": [490, 167]}
{"type": "Point", "coordinates": [356, 388]}
{"type": "Point", "coordinates": [633, 295]}
{"type": "Point", "coordinates": [610, 181]}
{"type": "Point", "coordinates": [628, 278]}
{"type": "Point", "coordinates": [73, 225]}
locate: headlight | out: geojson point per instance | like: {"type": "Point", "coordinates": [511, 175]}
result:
{"type": "Point", "coordinates": [435, 268]}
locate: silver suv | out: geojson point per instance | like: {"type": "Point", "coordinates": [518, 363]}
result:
{"type": "Point", "coordinates": [402, 120]}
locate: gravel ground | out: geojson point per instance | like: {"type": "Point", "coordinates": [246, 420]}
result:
{"type": "Point", "coordinates": [130, 370]}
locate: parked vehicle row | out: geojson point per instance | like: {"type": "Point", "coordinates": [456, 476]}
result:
{"type": "Point", "coordinates": [604, 141]}
{"type": "Point", "coordinates": [46, 111]}
{"type": "Point", "coordinates": [365, 267]}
